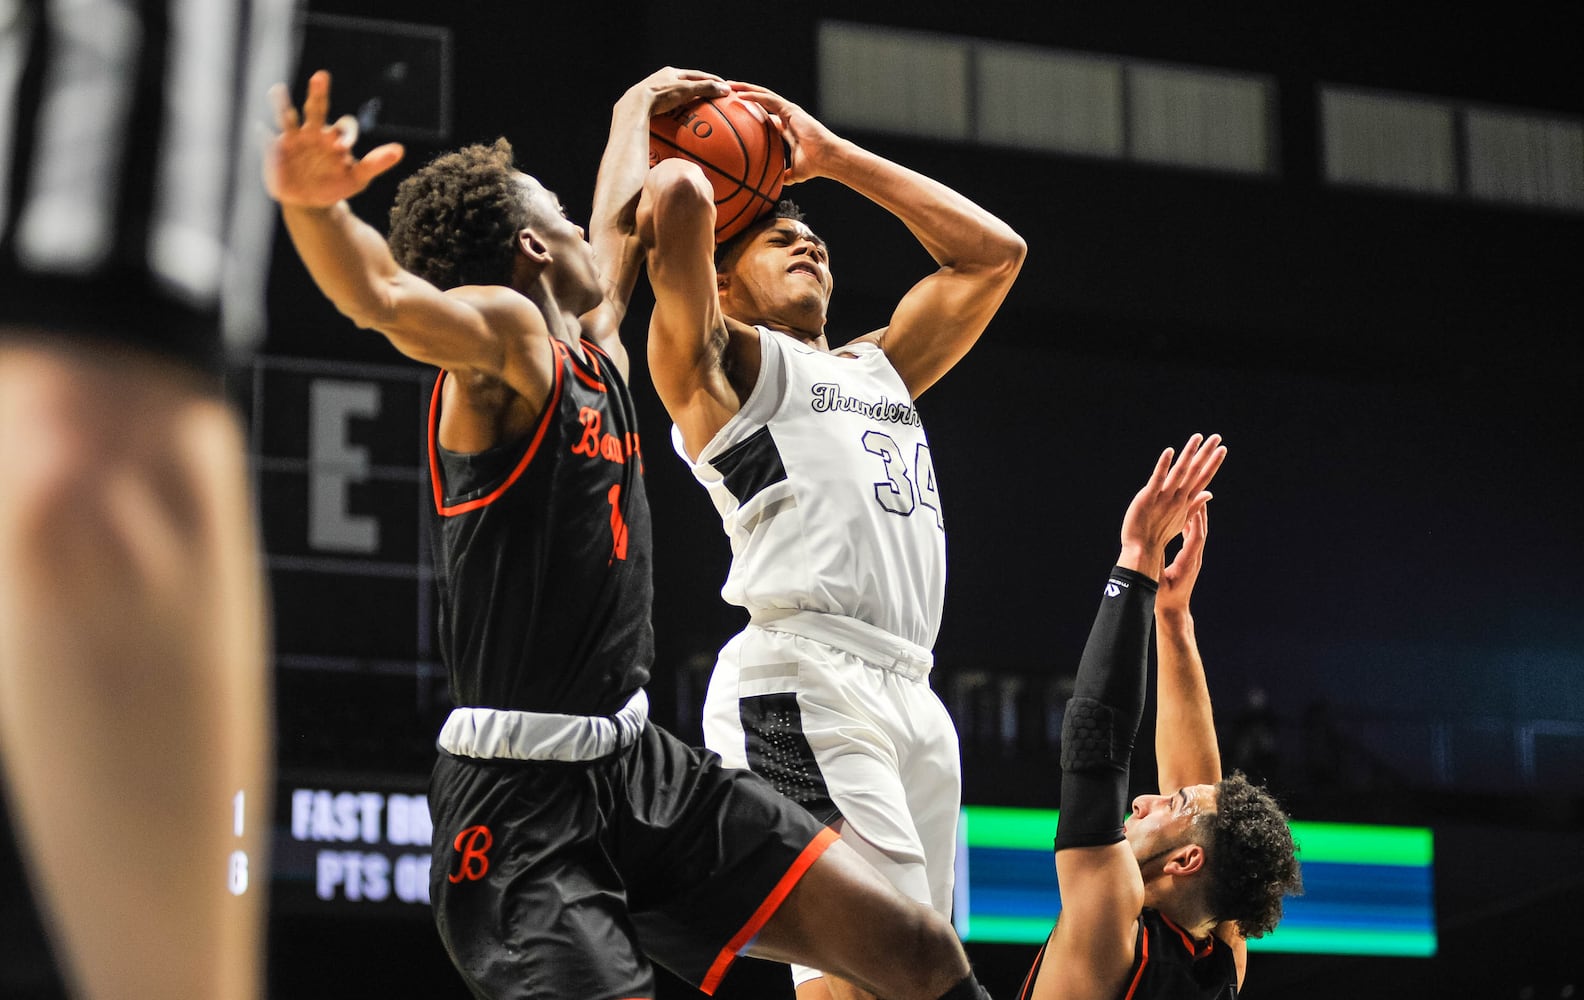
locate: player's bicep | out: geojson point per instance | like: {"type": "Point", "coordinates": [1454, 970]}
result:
{"type": "Point", "coordinates": [444, 329]}
{"type": "Point", "coordinates": [490, 330]}
{"type": "Point", "coordinates": [686, 330]}
{"type": "Point", "coordinates": [939, 319]}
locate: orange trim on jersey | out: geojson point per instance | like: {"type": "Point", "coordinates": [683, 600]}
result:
{"type": "Point", "coordinates": [595, 381]}
{"type": "Point", "coordinates": [1195, 947]}
{"type": "Point", "coordinates": [766, 910]}
{"type": "Point", "coordinates": [516, 473]}
{"type": "Point", "coordinates": [1028, 980]}
{"type": "Point", "coordinates": [1143, 959]}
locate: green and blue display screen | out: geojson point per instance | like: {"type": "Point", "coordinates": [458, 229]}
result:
{"type": "Point", "coordinates": [1368, 890]}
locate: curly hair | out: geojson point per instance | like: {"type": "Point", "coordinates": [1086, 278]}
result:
{"type": "Point", "coordinates": [456, 220]}
{"type": "Point", "coordinates": [1253, 859]}
{"type": "Point", "coordinates": [786, 208]}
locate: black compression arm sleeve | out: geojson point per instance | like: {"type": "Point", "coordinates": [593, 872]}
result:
{"type": "Point", "coordinates": [1102, 719]}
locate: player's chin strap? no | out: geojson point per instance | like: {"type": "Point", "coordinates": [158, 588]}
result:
{"type": "Point", "coordinates": [1102, 718]}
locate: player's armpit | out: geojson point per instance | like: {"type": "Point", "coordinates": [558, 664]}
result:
{"type": "Point", "coordinates": [1091, 950]}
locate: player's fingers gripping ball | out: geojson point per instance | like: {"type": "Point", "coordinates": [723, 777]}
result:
{"type": "Point", "coordinates": [740, 149]}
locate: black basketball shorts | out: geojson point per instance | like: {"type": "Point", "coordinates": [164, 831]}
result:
{"type": "Point", "coordinates": [556, 879]}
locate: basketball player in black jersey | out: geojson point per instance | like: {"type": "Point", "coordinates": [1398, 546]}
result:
{"type": "Point", "coordinates": [572, 837]}
{"type": "Point", "coordinates": [134, 703]}
{"type": "Point", "coordinates": [1158, 907]}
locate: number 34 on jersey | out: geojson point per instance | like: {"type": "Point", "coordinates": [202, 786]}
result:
{"type": "Point", "coordinates": [908, 485]}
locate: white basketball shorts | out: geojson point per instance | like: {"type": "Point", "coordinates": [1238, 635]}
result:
{"type": "Point", "coordinates": [840, 717]}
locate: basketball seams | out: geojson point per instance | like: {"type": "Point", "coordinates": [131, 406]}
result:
{"type": "Point", "coordinates": [747, 161]}
{"type": "Point", "coordinates": [771, 140]}
{"type": "Point", "coordinates": [688, 154]}
{"type": "Point", "coordinates": [738, 196]}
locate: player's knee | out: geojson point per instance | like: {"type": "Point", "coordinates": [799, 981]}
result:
{"type": "Point", "coordinates": [75, 426]}
{"type": "Point", "coordinates": [54, 482]}
{"type": "Point", "coordinates": [931, 952]}
{"type": "Point", "coordinates": [86, 489]}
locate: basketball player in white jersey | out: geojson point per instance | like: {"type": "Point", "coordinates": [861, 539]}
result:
{"type": "Point", "coordinates": [135, 715]}
{"type": "Point", "coordinates": [818, 464]}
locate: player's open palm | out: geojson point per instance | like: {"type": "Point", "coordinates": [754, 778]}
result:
{"type": "Point", "coordinates": [310, 162]}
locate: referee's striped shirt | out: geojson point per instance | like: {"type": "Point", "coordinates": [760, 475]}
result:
{"type": "Point", "coordinates": [130, 199]}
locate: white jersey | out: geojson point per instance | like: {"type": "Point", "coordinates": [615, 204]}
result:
{"type": "Point", "coordinates": [824, 484]}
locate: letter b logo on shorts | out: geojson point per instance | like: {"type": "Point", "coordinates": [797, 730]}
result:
{"type": "Point", "coordinates": [473, 845]}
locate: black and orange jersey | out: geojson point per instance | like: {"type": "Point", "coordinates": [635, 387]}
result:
{"type": "Point", "coordinates": [543, 552]}
{"type": "Point", "coordinates": [1168, 964]}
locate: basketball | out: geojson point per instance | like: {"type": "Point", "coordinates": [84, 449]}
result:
{"type": "Point", "coordinates": [740, 149]}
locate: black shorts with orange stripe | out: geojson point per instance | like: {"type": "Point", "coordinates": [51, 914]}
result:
{"type": "Point", "coordinates": [556, 879]}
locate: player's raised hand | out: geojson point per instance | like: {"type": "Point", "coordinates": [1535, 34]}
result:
{"type": "Point", "coordinates": [1177, 580]}
{"type": "Point", "coordinates": [808, 142]}
{"type": "Point", "coordinates": [669, 88]}
{"type": "Point", "coordinates": [310, 163]}
{"type": "Point", "coordinates": [1161, 509]}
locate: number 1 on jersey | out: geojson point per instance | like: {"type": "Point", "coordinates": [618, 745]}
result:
{"type": "Point", "coordinates": [618, 524]}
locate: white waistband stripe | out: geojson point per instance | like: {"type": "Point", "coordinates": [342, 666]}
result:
{"type": "Point", "coordinates": [495, 734]}
{"type": "Point", "coordinates": [874, 645]}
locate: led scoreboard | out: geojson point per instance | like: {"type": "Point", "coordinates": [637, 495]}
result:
{"type": "Point", "coordinates": [342, 843]}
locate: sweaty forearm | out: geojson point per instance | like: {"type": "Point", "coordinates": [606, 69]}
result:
{"type": "Point", "coordinates": [1102, 718]}
{"type": "Point", "coordinates": [1186, 751]}
{"type": "Point", "coordinates": [613, 229]}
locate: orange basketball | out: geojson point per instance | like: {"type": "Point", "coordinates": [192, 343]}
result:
{"type": "Point", "coordinates": [740, 149]}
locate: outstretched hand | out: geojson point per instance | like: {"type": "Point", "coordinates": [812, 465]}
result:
{"type": "Point", "coordinates": [1162, 508]}
{"type": "Point", "coordinates": [808, 142]}
{"type": "Point", "coordinates": [1177, 579]}
{"type": "Point", "coordinates": [310, 163]}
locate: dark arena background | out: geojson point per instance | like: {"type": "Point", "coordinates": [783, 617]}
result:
{"type": "Point", "coordinates": [1345, 236]}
